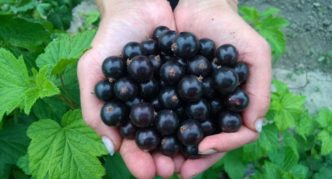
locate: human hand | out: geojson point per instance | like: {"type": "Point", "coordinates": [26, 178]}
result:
{"type": "Point", "coordinates": [219, 21]}
{"type": "Point", "coordinates": [122, 22]}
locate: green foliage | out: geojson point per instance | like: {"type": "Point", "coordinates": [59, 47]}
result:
{"type": "Point", "coordinates": [269, 25]}
{"type": "Point", "coordinates": [64, 150]}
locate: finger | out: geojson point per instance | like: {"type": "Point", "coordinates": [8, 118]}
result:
{"type": "Point", "coordinates": [164, 165]}
{"type": "Point", "coordinates": [91, 105]}
{"type": "Point", "coordinates": [140, 163]}
{"type": "Point", "coordinates": [178, 162]}
{"type": "Point", "coordinates": [192, 168]}
{"type": "Point", "coordinates": [224, 142]}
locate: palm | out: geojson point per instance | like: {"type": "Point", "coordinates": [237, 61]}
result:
{"type": "Point", "coordinates": [133, 21]}
{"type": "Point", "coordinates": [222, 24]}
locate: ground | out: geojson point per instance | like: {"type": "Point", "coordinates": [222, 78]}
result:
{"type": "Point", "coordinates": [305, 65]}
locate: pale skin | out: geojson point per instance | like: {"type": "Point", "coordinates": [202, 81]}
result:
{"type": "Point", "coordinates": [131, 20]}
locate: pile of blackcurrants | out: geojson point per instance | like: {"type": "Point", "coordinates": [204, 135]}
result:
{"type": "Point", "coordinates": [170, 92]}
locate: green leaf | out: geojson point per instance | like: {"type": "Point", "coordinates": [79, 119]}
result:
{"type": "Point", "coordinates": [17, 88]}
{"type": "Point", "coordinates": [116, 168]}
{"type": "Point", "coordinates": [23, 163]}
{"type": "Point", "coordinates": [234, 165]}
{"type": "Point", "coordinates": [325, 119]}
{"type": "Point", "coordinates": [299, 171]}
{"type": "Point", "coordinates": [323, 173]}
{"type": "Point", "coordinates": [66, 150]}
{"type": "Point", "coordinates": [326, 140]}
{"type": "Point", "coordinates": [19, 32]}
{"type": "Point", "coordinates": [65, 50]}
{"type": "Point", "coordinates": [13, 142]}
{"type": "Point", "coordinates": [306, 126]}
{"type": "Point", "coordinates": [49, 108]}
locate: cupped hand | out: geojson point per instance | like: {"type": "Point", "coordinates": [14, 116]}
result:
{"type": "Point", "coordinates": [122, 22]}
{"type": "Point", "coordinates": [219, 20]}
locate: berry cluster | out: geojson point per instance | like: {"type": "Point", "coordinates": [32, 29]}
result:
{"type": "Point", "coordinates": [170, 92]}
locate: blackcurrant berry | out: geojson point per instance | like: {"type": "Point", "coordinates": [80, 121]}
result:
{"type": "Point", "coordinates": [156, 63]}
{"type": "Point", "coordinates": [156, 104]}
{"type": "Point", "coordinates": [229, 121]}
{"type": "Point", "coordinates": [199, 66]}
{"type": "Point", "coordinates": [199, 110]}
{"type": "Point", "coordinates": [237, 101]}
{"type": "Point", "coordinates": [142, 115]}
{"type": "Point", "coordinates": [113, 67]}
{"type": "Point", "coordinates": [226, 80]}
{"type": "Point", "coordinates": [150, 47]}
{"type": "Point", "coordinates": [226, 55]}
{"type": "Point", "coordinates": [104, 90]}
{"type": "Point", "coordinates": [190, 88]}
{"type": "Point", "coordinates": [166, 40]}
{"type": "Point", "coordinates": [149, 89]}
{"type": "Point", "coordinates": [130, 103]}
{"type": "Point", "coordinates": [242, 71]}
{"type": "Point", "coordinates": [128, 130]}
{"type": "Point", "coordinates": [191, 152]}
{"type": "Point", "coordinates": [171, 72]}
{"type": "Point", "coordinates": [208, 88]}
{"type": "Point", "coordinates": [190, 132]}
{"type": "Point", "coordinates": [159, 31]}
{"type": "Point", "coordinates": [169, 98]}
{"type": "Point", "coordinates": [140, 69]}
{"type": "Point", "coordinates": [185, 45]}
{"type": "Point", "coordinates": [207, 48]}
{"type": "Point", "coordinates": [147, 139]}
{"type": "Point", "coordinates": [169, 146]}
{"type": "Point", "coordinates": [166, 122]}
{"type": "Point", "coordinates": [208, 127]}
{"type": "Point", "coordinates": [216, 106]}
{"type": "Point", "coordinates": [125, 89]}
{"type": "Point", "coordinates": [113, 113]}
{"type": "Point", "coordinates": [131, 50]}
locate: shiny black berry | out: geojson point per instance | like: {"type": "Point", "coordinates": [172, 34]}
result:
{"type": "Point", "coordinates": [190, 132]}
{"type": "Point", "coordinates": [207, 48]}
{"type": "Point", "coordinates": [169, 98]}
{"type": "Point", "coordinates": [208, 127]}
{"type": "Point", "coordinates": [169, 146]}
{"type": "Point", "coordinates": [229, 121]}
{"type": "Point", "coordinates": [242, 71]}
{"type": "Point", "coordinates": [140, 69]}
{"type": "Point", "coordinates": [156, 63]}
{"type": "Point", "coordinates": [133, 101]}
{"type": "Point", "coordinates": [159, 31]}
{"type": "Point", "coordinates": [131, 50]}
{"type": "Point", "coordinates": [166, 40]}
{"type": "Point", "coordinates": [104, 90]}
{"type": "Point", "coordinates": [208, 88]}
{"type": "Point", "coordinates": [113, 113]}
{"type": "Point", "coordinates": [199, 110]}
{"type": "Point", "coordinates": [199, 66]}
{"type": "Point", "coordinates": [142, 115]}
{"type": "Point", "coordinates": [191, 152]}
{"type": "Point", "coordinates": [166, 122]}
{"type": "Point", "coordinates": [113, 67]}
{"type": "Point", "coordinates": [125, 89]}
{"type": "Point", "coordinates": [147, 139]}
{"type": "Point", "coordinates": [156, 104]}
{"type": "Point", "coordinates": [226, 55]}
{"type": "Point", "coordinates": [128, 130]}
{"type": "Point", "coordinates": [226, 80]}
{"type": "Point", "coordinates": [190, 88]}
{"type": "Point", "coordinates": [150, 47]}
{"type": "Point", "coordinates": [149, 89]}
{"type": "Point", "coordinates": [171, 72]}
{"type": "Point", "coordinates": [237, 101]}
{"type": "Point", "coordinates": [185, 45]}
{"type": "Point", "coordinates": [216, 106]}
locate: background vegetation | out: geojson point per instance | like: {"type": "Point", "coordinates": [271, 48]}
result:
{"type": "Point", "coordinates": [42, 134]}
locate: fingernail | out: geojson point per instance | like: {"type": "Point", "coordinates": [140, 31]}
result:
{"type": "Point", "coordinates": [208, 152]}
{"type": "Point", "coordinates": [259, 125]}
{"type": "Point", "coordinates": [108, 144]}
